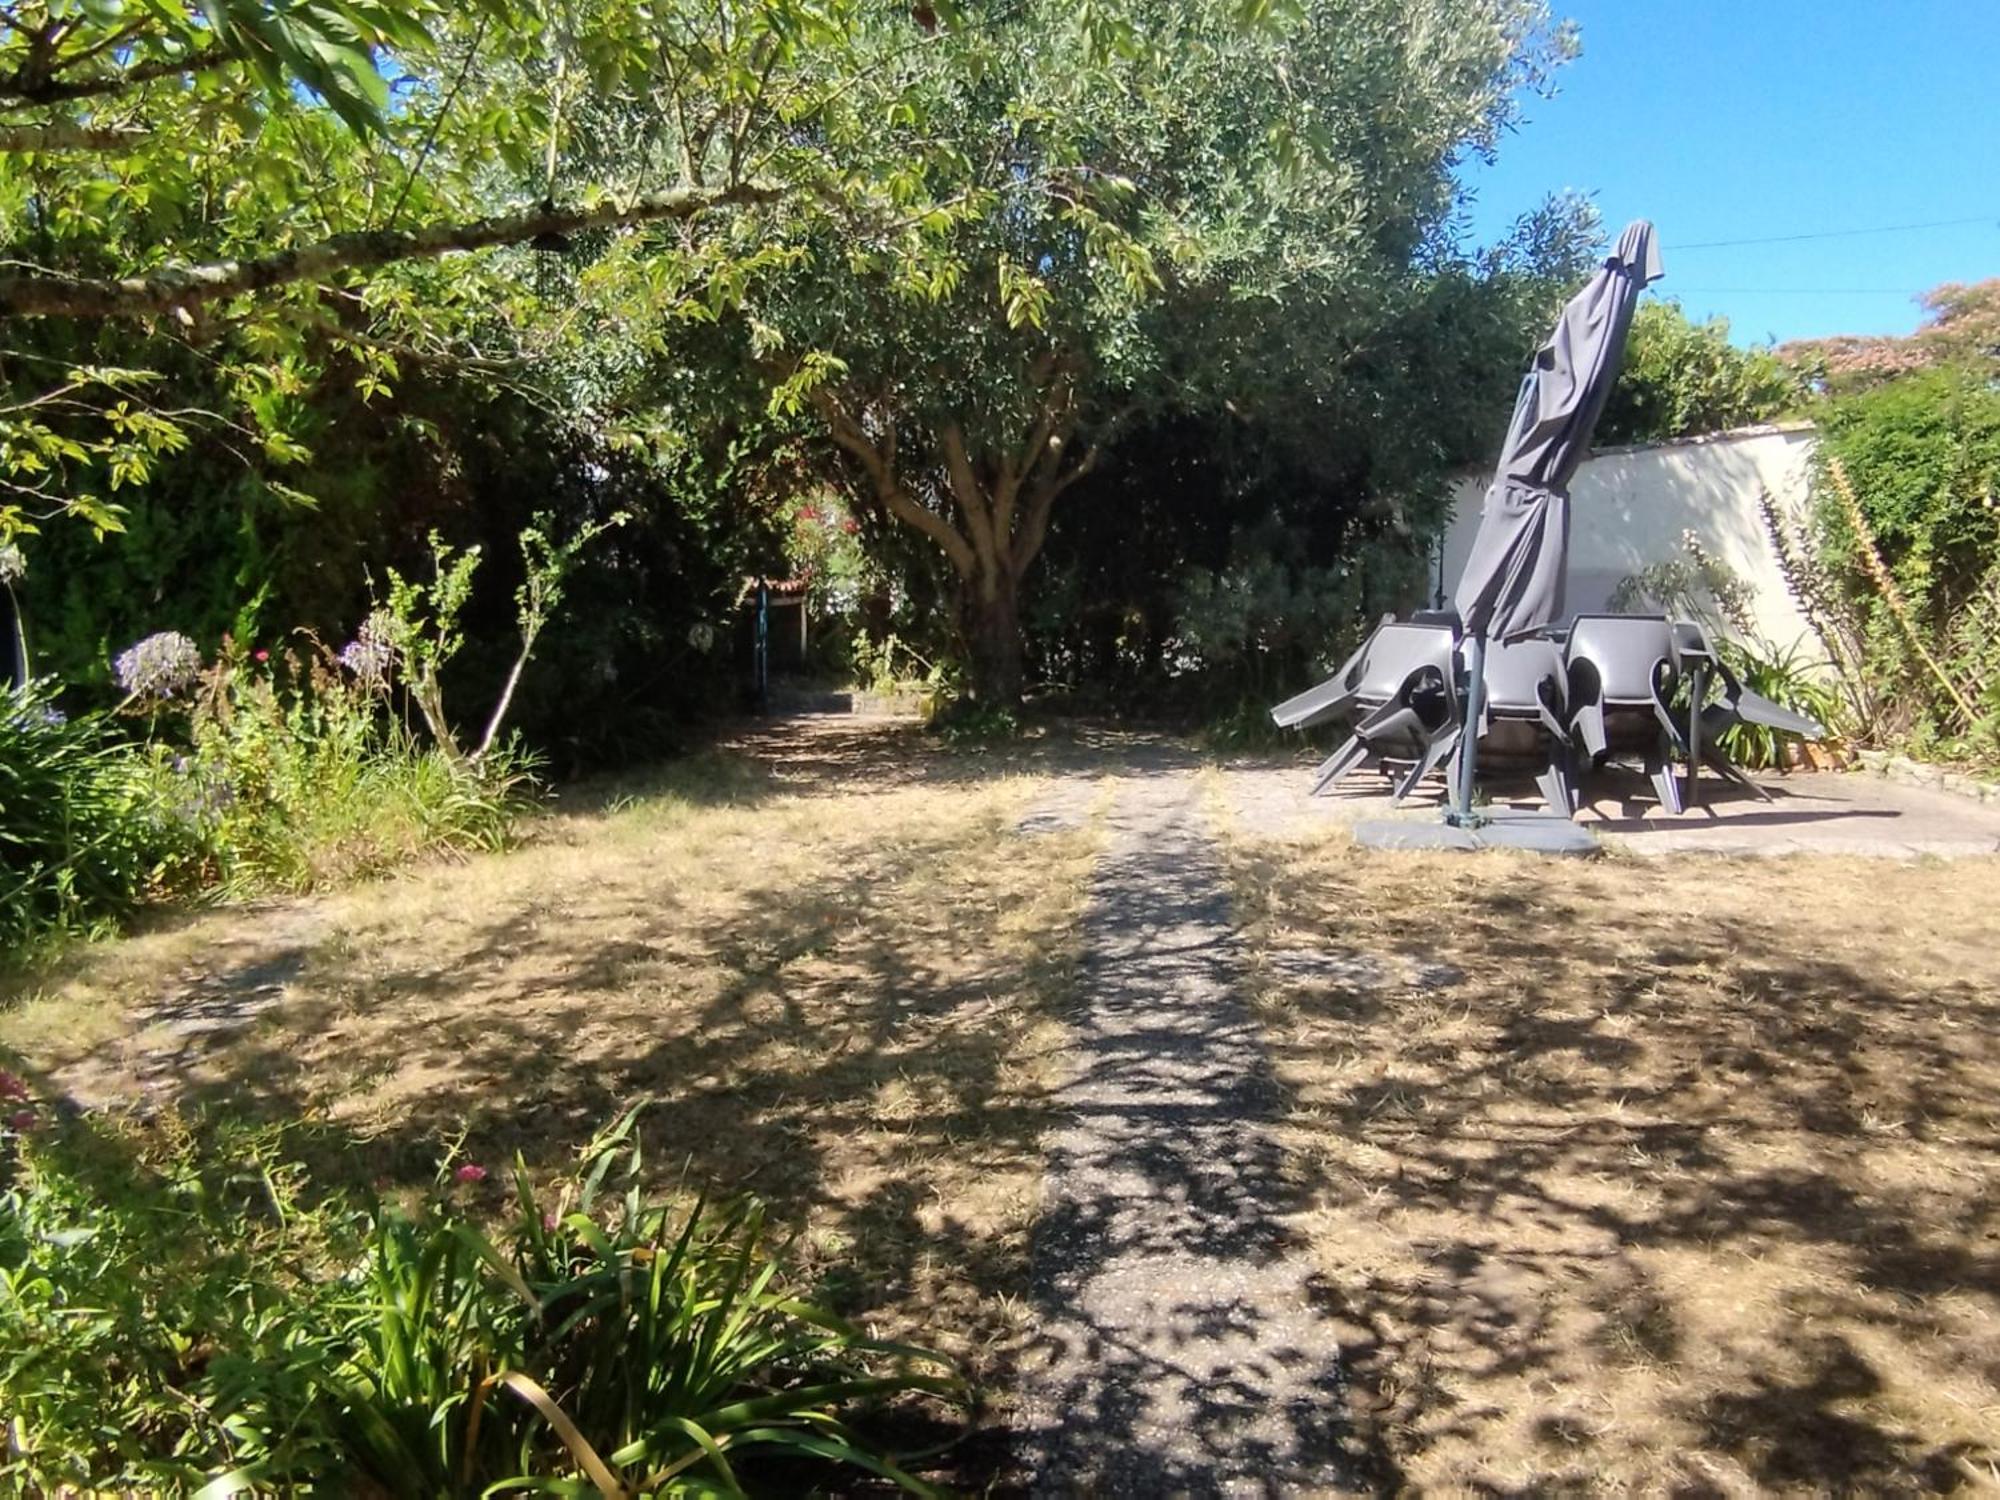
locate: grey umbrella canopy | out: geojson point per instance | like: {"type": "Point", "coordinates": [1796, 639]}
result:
{"type": "Point", "coordinates": [1513, 577]}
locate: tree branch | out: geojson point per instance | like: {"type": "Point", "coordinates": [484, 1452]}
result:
{"type": "Point", "coordinates": [157, 291]}
{"type": "Point", "coordinates": [1035, 526]}
{"type": "Point", "coordinates": [889, 489]}
{"type": "Point", "coordinates": [26, 88]}
{"type": "Point", "coordinates": [971, 502]}
{"type": "Point", "coordinates": [63, 135]}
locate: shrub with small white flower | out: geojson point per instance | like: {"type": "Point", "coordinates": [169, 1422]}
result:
{"type": "Point", "coordinates": [159, 668]}
{"type": "Point", "coordinates": [12, 563]}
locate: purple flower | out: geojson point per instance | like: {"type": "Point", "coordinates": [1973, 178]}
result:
{"type": "Point", "coordinates": [22, 1119]}
{"type": "Point", "coordinates": [372, 652]}
{"type": "Point", "coordinates": [11, 1087]}
{"type": "Point", "coordinates": [159, 667]}
{"type": "Point", "coordinates": [470, 1172]}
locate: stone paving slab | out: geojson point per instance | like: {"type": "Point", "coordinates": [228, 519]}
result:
{"type": "Point", "coordinates": [1821, 812]}
{"type": "Point", "coordinates": [1177, 1349]}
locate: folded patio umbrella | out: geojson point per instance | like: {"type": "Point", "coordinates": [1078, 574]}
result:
{"type": "Point", "coordinates": [1513, 577]}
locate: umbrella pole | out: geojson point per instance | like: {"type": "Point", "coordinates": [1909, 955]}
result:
{"type": "Point", "coordinates": [1460, 813]}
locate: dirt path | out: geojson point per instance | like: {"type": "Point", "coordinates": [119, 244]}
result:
{"type": "Point", "coordinates": [1176, 1349]}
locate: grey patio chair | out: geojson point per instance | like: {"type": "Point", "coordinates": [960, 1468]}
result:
{"type": "Point", "coordinates": [1735, 704]}
{"type": "Point", "coordinates": [1527, 682]}
{"type": "Point", "coordinates": [1333, 697]}
{"type": "Point", "coordinates": [1623, 671]}
{"type": "Point", "coordinates": [1405, 690]}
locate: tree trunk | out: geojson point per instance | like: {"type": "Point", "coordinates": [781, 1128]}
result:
{"type": "Point", "coordinates": [993, 641]}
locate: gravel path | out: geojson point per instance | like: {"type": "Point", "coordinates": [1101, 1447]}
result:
{"type": "Point", "coordinates": [1177, 1351]}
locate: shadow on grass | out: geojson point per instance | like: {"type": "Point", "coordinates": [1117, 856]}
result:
{"type": "Point", "coordinates": [855, 1042]}
{"type": "Point", "coordinates": [1618, 1090]}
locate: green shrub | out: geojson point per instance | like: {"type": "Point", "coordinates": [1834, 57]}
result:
{"type": "Point", "coordinates": [1909, 537]}
{"type": "Point", "coordinates": [82, 837]}
{"type": "Point", "coordinates": [180, 1324]}
{"type": "Point", "coordinates": [1789, 678]}
{"type": "Point", "coordinates": [293, 776]}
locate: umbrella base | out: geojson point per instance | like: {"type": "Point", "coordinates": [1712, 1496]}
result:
{"type": "Point", "coordinates": [1535, 832]}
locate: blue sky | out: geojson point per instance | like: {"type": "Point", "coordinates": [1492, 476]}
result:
{"type": "Point", "coordinates": [1762, 118]}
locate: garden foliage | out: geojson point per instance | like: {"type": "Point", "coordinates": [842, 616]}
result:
{"type": "Point", "coordinates": [198, 1320]}
{"type": "Point", "coordinates": [1907, 493]}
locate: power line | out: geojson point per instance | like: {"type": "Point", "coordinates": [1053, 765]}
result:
{"type": "Point", "coordinates": [1830, 234]}
{"type": "Point", "coordinates": [1792, 291]}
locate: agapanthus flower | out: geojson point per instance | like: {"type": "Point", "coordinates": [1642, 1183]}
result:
{"type": "Point", "coordinates": [159, 667]}
{"type": "Point", "coordinates": [372, 652]}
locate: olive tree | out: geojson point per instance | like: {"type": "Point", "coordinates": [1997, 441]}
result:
{"type": "Point", "coordinates": [1063, 217]}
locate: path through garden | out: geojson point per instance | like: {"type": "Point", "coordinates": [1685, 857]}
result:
{"type": "Point", "coordinates": [1175, 1348]}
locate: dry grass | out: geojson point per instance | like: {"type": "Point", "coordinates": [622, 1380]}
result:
{"type": "Point", "coordinates": [1662, 1177]}
{"type": "Point", "coordinates": [834, 967]}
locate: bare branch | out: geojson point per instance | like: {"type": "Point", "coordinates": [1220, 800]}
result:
{"type": "Point", "coordinates": [986, 540]}
{"type": "Point", "coordinates": [1035, 525]}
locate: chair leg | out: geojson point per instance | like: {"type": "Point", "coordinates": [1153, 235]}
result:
{"type": "Point", "coordinates": [1556, 782]}
{"type": "Point", "coordinates": [1589, 722]}
{"type": "Point", "coordinates": [1434, 752]}
{"type": "Point", "coordinates": [1660, 769]}
{"type": "Point", "coordinates": [1338, 764]}
{"type": "Point", "coordinates": [1713, 757]}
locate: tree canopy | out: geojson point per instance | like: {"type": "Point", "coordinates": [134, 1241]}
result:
{"type": "Point", "coordinates": [294, 279]}
{"type": "Point", "coordinates": [1085, 217]}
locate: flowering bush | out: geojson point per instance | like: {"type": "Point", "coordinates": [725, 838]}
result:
{"type": "Point", "coordinates": [290, 776]}
{"type": "Point", "coordinates": [159, 668]}
{"type": "Point", "coordinates": [257, 773]}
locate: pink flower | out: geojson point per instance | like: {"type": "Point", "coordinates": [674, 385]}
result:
{"type": "Point", "coordinates": [22, 1119]}
{"type": "Point", "coordinates": [471, 1172]}
{"type": "Point", "coordinates": [261, 655]}
{"type": "Point", "coordinates": [549, 1221]}
{"type": "Point", "coordinates": [11, 1087]}
{"type": "Point", "coordinates": [850, 526]}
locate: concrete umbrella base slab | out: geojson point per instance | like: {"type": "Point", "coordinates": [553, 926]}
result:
{"type": "Point", "coordinates": [1535, 832]}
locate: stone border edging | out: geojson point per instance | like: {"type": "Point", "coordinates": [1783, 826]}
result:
{"type": "Point", "coordinates": [1901, 768]}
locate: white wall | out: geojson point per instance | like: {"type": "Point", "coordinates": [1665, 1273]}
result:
{"type": "Point", "coordinates": [1630, 506]}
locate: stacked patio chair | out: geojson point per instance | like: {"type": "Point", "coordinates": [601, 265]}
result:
{"type": "Point", "coordinates": [1607, 685]}
{"type": "Point", "coordinates": [1401, 687]}
{"type": "Point", "coordinates": [1623, 672]}
{"type": "Point", "coordinates": [1527, 684]}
